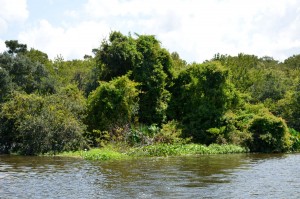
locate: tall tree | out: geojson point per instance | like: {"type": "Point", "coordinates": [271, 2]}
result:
{"type": "Point", "coordinates": [200, 97]}
{"type": "Point", "coordinates": [37, 56]}
{"type": "Point", "coordinates": [151, 66]}
{"type": "Point", "coordinates": [24, 74]}
{"type": "Point", "coordinates": [116, 56]}
{"type": "Point", "coordinates": [154, 74]}
{"type": "Point", "coordinates": [14, 47]}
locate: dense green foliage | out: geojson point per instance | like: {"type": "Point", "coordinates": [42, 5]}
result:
{"type": "Point", "coordinates": [15, 48]}
{"type": "Point", "coordinates": [135, 93]}
{"type": "Point", "coordinates": [31, 124]}
{"type": "Point", "coordinates": [151, 67]}
{"type": "Point", "coordinates": [269, 133]}
{"type": "Point", "coordinates": [113, 105]}
{"type": "Point", "coordinates": [117, 56]}
{"type": "Point", "coordinates": [201, 96]}
{"type": "Point", "coordinates": [20, 73]}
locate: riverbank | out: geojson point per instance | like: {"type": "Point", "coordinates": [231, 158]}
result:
{"type": "Point", "coordinates": [114, 152]}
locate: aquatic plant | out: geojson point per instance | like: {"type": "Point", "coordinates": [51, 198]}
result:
{"type": "Point", "coordinates": [184, 149]}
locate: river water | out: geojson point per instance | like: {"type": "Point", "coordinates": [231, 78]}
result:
{"type": "Point", "coordinates": [206, 176]}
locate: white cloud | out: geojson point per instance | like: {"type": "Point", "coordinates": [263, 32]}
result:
{"type": "Point", "coordinates": [196, 29]}
{"type": "Point", "coordinates": [71, 13]}
{"type": "Point", "coordinates": [12, 11]}
{"type": "Point", "coordinates": [2, 46]}
{"type": "Point", "coordinates": [70, 42]}
{"type": "Point", "coordinates": [103, 8]}
{"type": "Point", "coordinates": [3, 26]}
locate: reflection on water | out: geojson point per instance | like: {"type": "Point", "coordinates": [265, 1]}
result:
{"type": "Point", "coordinates": [207, 176]}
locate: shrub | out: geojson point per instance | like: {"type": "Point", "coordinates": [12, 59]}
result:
{"type": "Point", "coordinates": [295, 138]}
{"type": "Point", "coordinates": [170, 133]}
{"type": "Point", "coordinates": [269, 134]}
{"type": "Point", "coordinates": [113, 104]}
{"type": "Point", "coordinates": [200, 96]}
{"type": "Point", "coordinates": [141, 135]}
{"type": "Point", "coordinates": [233, 128]}
{"type": "Point", "coordinates": [31, 124]}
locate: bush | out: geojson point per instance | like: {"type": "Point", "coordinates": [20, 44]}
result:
{"type": "Point", "coordinates": [233, 128]}
{"type": "Point", "coordinates": [141, 134]}
{"type": "Point", "coordinates": [170, 133]}
{"type": "Point", "coordinates": [113, 104]}
{"type": "Point", "coordinates": [254, 127]}
{"type": "Point", "coordinates": [295, 138]}
{"type": "Point", "coordinates": [31, 124]}
{"type": "Point", "coordinates": [200, 96]}
{"type": "Point", "coordinates": [269, 134]}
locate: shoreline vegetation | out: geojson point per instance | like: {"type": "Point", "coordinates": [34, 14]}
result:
{"type": "Point", "coordinates": [134, 98]}
{"type": "Point", "coordinates": [158, 150]}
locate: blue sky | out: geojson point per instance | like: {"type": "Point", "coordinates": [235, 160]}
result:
{"type": "Point", "coordinates": [196, 29]}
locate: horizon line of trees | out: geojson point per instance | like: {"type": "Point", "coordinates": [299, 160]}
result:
{"type": "Point", "coordinates": [135, 92]}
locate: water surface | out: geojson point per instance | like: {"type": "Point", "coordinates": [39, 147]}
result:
{"type": "Point", "coordinates": [206, 176]}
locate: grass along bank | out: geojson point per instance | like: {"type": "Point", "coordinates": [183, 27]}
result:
{"type": "Point", "coordinates": [116, 152]}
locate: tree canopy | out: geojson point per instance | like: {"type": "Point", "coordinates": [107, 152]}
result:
{"type": "Point", "coordinates": [134, 91]}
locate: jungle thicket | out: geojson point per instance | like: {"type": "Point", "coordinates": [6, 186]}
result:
{"type": "Point", "coordinates": [135, 92]}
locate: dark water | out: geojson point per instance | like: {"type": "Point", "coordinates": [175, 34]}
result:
{"type": "Point", "coordinates": [213, 176]}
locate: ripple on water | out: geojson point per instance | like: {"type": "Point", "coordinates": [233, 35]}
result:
{"type": "Point", "coordinates": [219, 176]}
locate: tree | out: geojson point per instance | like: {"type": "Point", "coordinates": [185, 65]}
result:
{"type": "Point", "coordinates": [116, 56]}
{"type": "Point", "coordinates": [37, 56]}
{"type": "Point", "coordinates": [31, 124]}
{"type": "Point", "coordinates": [270, 85]}
{"type": "Point", "coordinates": [112, 104]}
{"type": "Point", "coordinates": [155, 74]}
{"type": "Point", "coordinates": [5, 84]}
{"type": "Point", "coordinates": [200, 97]}
{"type": "Point", "coordinates": [241, 67]}
{"type": "Point", "coordinates": [24, 74]}
{"type": "Point", "coordinates": [14, 47]}
{"type": "Point", "coordinates": [92, 80]}
{"type": "Point", "coordinates": [289, 107]}
{"type": "Point", "coordinates": [293, 62]}
{"type": "Point", "coordinates": [151, 66]}
{"type": "Point", "coordinates": [178, 63]}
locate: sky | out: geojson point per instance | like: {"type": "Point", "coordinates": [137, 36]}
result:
{"type": "Point", "coordinates": [195, 29]}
